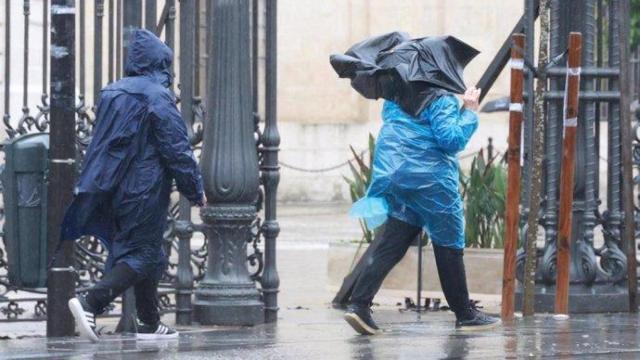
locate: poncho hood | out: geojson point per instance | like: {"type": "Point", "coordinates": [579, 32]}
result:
{"type": "Point", "coordinates": [148, 56]}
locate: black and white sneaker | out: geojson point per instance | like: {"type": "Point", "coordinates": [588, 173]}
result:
{"type": "Point", "coordinates": [158, 331]}
{"type": "Point", "coordinates": [85, 318]}
{"type": "Point", "coordinates": [359, 317]}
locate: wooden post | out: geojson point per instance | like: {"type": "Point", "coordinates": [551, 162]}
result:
{"type": "Point", "coordinates": [513, 186]}
{"type": "Point", "coordinates": [567, 174]}
{"type": "Point", "coordinates": [626, 91]}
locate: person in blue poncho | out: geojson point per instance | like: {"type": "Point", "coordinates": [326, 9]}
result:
{"type": "Point", "coordinates": [139, 146]}
{"type": "Point", "coordinates": [414, 184]}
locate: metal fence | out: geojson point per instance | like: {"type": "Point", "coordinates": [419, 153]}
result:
{"type": "Point", "coordinates": [103, 27]}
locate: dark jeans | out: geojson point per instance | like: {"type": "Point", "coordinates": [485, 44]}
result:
{"type": "Point", "coordinates": [119, 279]}
{"type": "Point", "coordinates": [396, 238]}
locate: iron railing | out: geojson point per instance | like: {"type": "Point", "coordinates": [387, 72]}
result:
{"type": "Point", "coordinates": [107, 24]}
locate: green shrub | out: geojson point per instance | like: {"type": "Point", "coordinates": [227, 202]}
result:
{"type": "Point", "coordinates": [484, 194]}
{"type": "Point", "coordinates": [360, 180]}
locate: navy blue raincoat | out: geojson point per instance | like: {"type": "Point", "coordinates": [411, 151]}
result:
{"type": "Point", "coordinates": [139, 147]}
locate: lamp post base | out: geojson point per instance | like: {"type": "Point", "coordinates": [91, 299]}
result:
{"type": "Point", "coordinates": [228, 304]}
{"type": "Point", "coordinates": [228, 295]}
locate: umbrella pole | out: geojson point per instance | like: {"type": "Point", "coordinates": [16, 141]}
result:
{"type": "Point", "coordinates": [512, 215]}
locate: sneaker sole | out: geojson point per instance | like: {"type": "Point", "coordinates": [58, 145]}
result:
{"type": "Point", "coordinates": [358, 325]}
{"type": "Point", "coordinates": [157, 336]}
{"type": "Point", "coordinates": [479, 327]}
{"type": "Point", "coordinates": [82, 324]}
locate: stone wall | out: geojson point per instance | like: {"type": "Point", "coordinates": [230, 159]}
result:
{"type": "Point", "coordinates": [320, 115]}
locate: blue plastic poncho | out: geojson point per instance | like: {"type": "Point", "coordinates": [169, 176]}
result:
{"type": "Point", "coordinates": [139, 146]}
{"type": "Point", "coordinates": [415, 170]}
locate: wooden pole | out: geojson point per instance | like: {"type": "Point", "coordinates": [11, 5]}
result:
{"type": "Point", "coordinates": [567, 174]}
{"type": "Point", "coordinates": [626, 90]}
{"type": "Point", "coordinates": [513, 186]}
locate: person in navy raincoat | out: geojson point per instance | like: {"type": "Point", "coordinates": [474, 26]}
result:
{"type": "Point", "coordinates": [414, 180]}
{"type": "Point", "coordinates": [138, 149]}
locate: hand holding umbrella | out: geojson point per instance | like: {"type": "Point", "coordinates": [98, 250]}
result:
{"type": "Point", "coordinates": [471, 99]}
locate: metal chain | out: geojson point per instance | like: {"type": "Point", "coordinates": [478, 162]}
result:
{"type": "Point", "coordinates": [345, 163]}
{"type": "Point", "coordinates": [320, 170]}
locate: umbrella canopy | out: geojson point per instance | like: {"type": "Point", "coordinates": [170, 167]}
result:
{"type": "Point", "coordinates": [410, 72]}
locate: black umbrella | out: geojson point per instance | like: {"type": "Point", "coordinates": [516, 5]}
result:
{"type": "Point", "coordinates": [501, 104]}
{"type": "Point", "coordinates": [410, 72]}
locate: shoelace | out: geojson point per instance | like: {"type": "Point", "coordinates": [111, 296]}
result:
{"type": "Point", "coordinates": [473, 305]}
{"type": "Point", "coordinates": [101, 330]}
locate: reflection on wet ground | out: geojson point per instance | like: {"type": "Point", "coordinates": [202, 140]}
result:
{"type": "Point", "coordinates": [309, 329]}
{"type": "Point", "coordinates": [321, 334]}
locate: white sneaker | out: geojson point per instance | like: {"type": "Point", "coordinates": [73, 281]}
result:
{"type": "Point", "coordinates": [85, 319]}
{"type": "Point", "coordinates": [158, 331]}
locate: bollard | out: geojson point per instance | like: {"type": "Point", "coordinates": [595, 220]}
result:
{"type": "Point", "coordinates": [62, 166]}
{"type": "Point", "coordinates": [512, 216]}
{"type": "Point", "coordinates": [61, 281]}
{"type": "Point", "coordinates": [567, 175]}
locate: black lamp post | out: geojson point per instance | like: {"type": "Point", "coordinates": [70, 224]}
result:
{"type": "Point", "coordinates": [227, 295]}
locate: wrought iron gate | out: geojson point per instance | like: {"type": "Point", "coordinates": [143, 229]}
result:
{"type": "Point", "coordinates": [103, 27]}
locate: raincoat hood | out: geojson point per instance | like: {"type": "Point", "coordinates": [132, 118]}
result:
{"type": "Point", "coordinates": [409, 72]}
{"type": "Point", "coordinates": [147, 55]}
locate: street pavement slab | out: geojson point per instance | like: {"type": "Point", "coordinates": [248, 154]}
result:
{"type": "Point", "coordinates": [309, 328]}
{"type": "Point", "coordinates": [321, 334]}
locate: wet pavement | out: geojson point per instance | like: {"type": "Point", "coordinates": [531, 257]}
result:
{"type": "Point", "coordinates": [321, 334]}
{"type": "Point", "coordinates": [308, 328]}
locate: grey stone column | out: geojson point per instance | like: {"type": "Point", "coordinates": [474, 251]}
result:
{"type": "Point", "coordinates": [227, 295]}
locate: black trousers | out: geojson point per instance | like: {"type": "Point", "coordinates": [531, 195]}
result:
{"type": "Point", "coordinates": [119, 279]}
{"type": "Point", "coordinates": [396, 238]}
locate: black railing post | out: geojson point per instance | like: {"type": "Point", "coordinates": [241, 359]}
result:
{"type": "Point", "coordinates": [6, 117]}
{"type": "Point", "coordinates": [270, 168]}
{"type": "Point", "coordinates": [187, 66]}
{"type": "Point", "coordinates": [227, 295]}
{"type": "Point", "coordinates": [613, 222]}
{"type": "Point", "coordinates": [112, 40]}
{"type": "Point", "coordinates": [170, 26]}
{"type": "Point", "coordinates": [131, 20]}
{"type": "Point", "coordinates": [26, 11]}
{"type": "Point", "coordinates": [97, 51]}
{"type": "Point", "coordinates": [61, 280]}
{"type": "Point", "coordinates": [151, 15]}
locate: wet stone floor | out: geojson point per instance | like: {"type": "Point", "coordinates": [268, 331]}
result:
{"type": "Point", "coordinates": [321, 334]}
{"type": "Point", "coordinates": [308, 328]}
